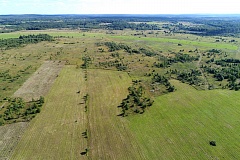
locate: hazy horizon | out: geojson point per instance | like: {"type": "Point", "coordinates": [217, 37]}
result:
{"type": "Point", "coordinates": [153, 7]}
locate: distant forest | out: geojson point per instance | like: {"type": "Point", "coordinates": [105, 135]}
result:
{"type": "Point", "coordinates": [206, 25]}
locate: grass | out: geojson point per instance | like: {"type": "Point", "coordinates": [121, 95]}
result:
{"type": "Point", "coordinates": [56, 133]}
{"type": "Point", "coordinates": [55, 33]}
{"type": "Point", "coordinates": [10, 135]}
{"type": "Point", "coordinates": [179, 41]}
{"type": "Point", "coordinates": [181, 124]}
{"type": "Point", "coordinates": [110, 136]}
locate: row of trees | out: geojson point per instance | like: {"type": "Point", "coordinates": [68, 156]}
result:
{"type": "Point", "coordinates": [179, 57]}
{"type": "Point", "coordinates": [112, 46]}
{"type": "Point", "coordinates": [18, 42]}
{"type": "Point", "coordinates": [118, 64]}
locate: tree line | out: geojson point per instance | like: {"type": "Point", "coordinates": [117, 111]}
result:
{"type": "Point", "coordinates": [24, 39]}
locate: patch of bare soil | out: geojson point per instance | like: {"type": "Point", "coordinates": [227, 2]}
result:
{"type": "Point", "coordinates": [10, 136]}
{"type": "Point", "coordinates": [40, 82]}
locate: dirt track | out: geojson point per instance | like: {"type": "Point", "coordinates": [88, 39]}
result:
{"type": "Point", "coordinates": [40, 82]}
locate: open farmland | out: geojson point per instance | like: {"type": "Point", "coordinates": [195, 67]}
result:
{"type": "Point", "coordinates": [119, 91]}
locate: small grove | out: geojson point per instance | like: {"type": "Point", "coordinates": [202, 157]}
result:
{"type": "Point", "coordinates": [16, 110]}
{"type": "Point", "coordinates": [136, 101]}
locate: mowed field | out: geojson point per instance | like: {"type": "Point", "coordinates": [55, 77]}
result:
{"type": "Point", "coordinates": [181, 124]}
{"type": "Point", "coordinates": [10, 135]}
{"type": "Point", "coordinates": [110, 136]}
{"type": "Point", "coordinates": [56, 133]}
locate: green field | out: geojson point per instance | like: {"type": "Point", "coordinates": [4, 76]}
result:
{"type": "Point", "coordinates": [181, 124]}
{"type": "Point", "coordinates": [179, 41]}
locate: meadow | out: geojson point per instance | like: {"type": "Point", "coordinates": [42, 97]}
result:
{"type": "Point", "coordinates": [181, 125]}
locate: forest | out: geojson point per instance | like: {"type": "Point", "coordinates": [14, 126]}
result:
{"type": "Point", "coordinates": [207, 25]}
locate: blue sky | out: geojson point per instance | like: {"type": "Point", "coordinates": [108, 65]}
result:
{"type": "Point", "coordinates": [119, 7]}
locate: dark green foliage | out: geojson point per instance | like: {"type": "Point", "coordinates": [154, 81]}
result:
{"type": "Point", "coordinates": [115, 47]}
{"type": "Point", "coordinates": [162, 80]}
{"type": "Point", "coordinates": [203, 25]}
{"type": "Point", "coordinates": [212, 143]}
{"type": "Point", "coordinates": [179, 57]}
{"type": "Point", "coordinates": [121, 46]}
{"type": "Point", "coordinates": [135, 101]}
{"type": "Point", "coordinates": [120, 66]}
{"type": "Point", "coordinates": [147, 52]}
{"type": "Point", "coordinates": [191, 77]}
{"type": "Point", "coordinates": [18, 110]}
{"type": "Point", "coordinates": [214, 51]}
{"type": "Point", "coordinates": [18, 42]}
{"type": "Point", "coordinates": [120, 25]}
{"type": "Point", "coordinates": [229, 70]}
{"type": "Point", "coordinates": [86, 61]}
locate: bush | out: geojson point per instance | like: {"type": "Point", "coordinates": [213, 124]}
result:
{"type": "Point", "coordinates": [212, 143]}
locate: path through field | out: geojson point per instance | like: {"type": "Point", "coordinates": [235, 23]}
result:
{"type": "Point", "coordinates": [206, 84]}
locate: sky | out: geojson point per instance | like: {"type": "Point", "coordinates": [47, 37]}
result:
{"type": "Point", "coordinates": [119, 7]}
